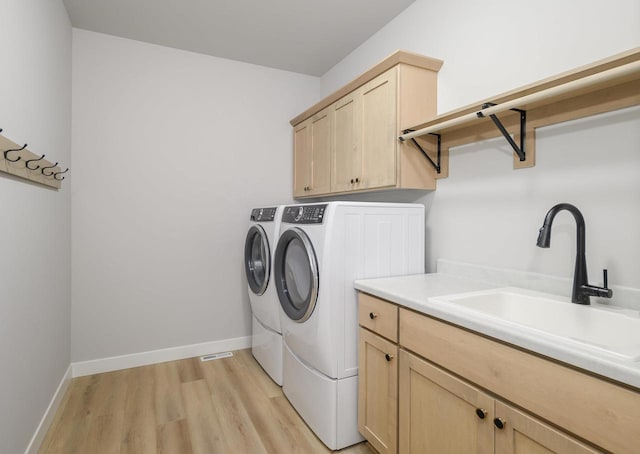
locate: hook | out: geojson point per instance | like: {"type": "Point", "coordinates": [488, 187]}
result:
{"type": "Point", "coordinates": [26, 163]}
{"type": "Point", "coordinates": [55, 175]}
{"type": "Point", "coordinates": [49, 167]}
{"type": "Point", "coordinates": [16, 149]}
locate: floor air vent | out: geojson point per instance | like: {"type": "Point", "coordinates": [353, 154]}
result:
{"type": "Point", "coordinates": [216, 356]}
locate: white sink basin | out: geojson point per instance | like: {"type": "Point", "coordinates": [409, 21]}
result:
{"type": "Point", "coordinates": [596, 328]}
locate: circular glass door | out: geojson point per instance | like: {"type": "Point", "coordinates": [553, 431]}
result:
{"type": "Point", "coordinates": [296, 274]}
{"type": "Point", "coordinates": [257, 259]}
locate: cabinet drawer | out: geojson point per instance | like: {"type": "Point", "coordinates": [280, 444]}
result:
{"type": "Point", "coordinates": [597, 410]}
{"type": "Point", "coordinates": [378, 315]}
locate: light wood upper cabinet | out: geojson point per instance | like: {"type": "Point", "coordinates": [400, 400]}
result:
{"type": "Point", "coordinates": [301, 159]}
{"type": "Point", "coordinates": [346, 154]}
{"type": "Point", "coordinates": [312, 155]}
{"type": "Point", "coordinates": [379, 131]}
{"type": "Point", "coordinates": [366, 117]}
{"type": "Point", "coordinates": [366, 153]}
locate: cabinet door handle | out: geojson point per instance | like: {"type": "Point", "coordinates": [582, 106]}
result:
{"type": "Point", "coordinates": [499, 423]}
{"type": "Point", "coordinates": [357, 180]}
{"type": "Point", "coordinates": [372, 315]}
{"type": "Point", "coordinates": [388, 357]}
{"type": "Point", "coordinates": [481, 412]}
{"type": "Point", "coordinates": [352, 181]}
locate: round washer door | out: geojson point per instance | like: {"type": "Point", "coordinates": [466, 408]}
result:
{"type": "Point", "coordinates": [257, 259]}
{"type": "Point", "coordinates": [296, 274]}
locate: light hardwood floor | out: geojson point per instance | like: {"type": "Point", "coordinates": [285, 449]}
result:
{"type": "Point", "coordinates": [227, 405]}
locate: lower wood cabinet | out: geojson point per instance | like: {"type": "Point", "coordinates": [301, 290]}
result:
{"type": "Point", "coordinates": [523, 434]}
{"type": "Point", "coordinates": [378, 391]}
{"type": "Point", "coordinates": [426, 386]}
{"type": "Point", "coordinates": [440, 413]}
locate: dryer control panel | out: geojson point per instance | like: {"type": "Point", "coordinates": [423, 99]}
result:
{"type": "Point", "coordinates": [304, 214]}
{"type": "Point", "coordinates": [263, 214]}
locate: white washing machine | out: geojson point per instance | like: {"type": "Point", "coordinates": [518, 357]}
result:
{"type": "Point", "coordinates": [266, 337]}
{"type": "Point", "coordinates": [322, 249]}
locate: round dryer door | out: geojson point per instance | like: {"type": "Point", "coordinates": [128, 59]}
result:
{"type": "Point", "coordinates": [296, 274]}
{"type": "Point", "coordinates": [257, 259]}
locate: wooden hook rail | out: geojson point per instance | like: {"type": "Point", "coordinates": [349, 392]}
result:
{"type": "Point", "coordinates": [19, 161]}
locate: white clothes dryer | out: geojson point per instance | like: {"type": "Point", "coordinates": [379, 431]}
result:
{"type": "Point", "coordinates": [322, 249]}
{"type": "Point", "coordinates": [266, 337]}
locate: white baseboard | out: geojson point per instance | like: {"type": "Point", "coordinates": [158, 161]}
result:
{"type": "Point", "coordinates": [97, 366]}
{"type": "Point", "coordinates": [45, 422]}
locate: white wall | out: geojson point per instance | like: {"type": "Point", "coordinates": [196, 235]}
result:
{"type": "Point", "coordinates": [171, 150]}
{"type": "Point", "coordinates": [35, 294]}
{"type": "Point", "coordinates": [485, 212]}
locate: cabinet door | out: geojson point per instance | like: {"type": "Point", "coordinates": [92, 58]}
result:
{"type": "Point", "coordinates": [320, 138]}
{"type": "Point", "coordinates": [301, 159]}
{"type": "Point", "coordinates": [377, 391]}
{"type": "Point", "coordinates": [379, 130]}
{"type": "Point", "coordinates": [440, 413]}
{"type": "Point", "coordinates": [522, 434]}
{"type": "Point", "coordinates": [346, 151]}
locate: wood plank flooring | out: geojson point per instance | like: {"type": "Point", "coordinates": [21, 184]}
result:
{"type": "Point", "coordinates": [227, 405]}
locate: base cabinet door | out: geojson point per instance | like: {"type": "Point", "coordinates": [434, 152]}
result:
{"type": "Point", "coordinates": [523, 434]}
{"type": "Point", "coordinates": [378, 391]}
{"type": "Point", "coordinates": [439, 413]}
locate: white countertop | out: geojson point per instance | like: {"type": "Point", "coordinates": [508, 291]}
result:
{"type": "Point", "coordinates": [419, 292]}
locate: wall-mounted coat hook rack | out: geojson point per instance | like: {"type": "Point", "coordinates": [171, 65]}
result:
{"type": "Point", "coordinates": [55, 175]}
{"type": "Point", "coordinates": [19, 161]}
{"type": "Point", "coordinates": [42, 170]}
{"type": "Point", "coordinates": [6, 152]}
{"type": "Point", "coordinates": [26, 163]}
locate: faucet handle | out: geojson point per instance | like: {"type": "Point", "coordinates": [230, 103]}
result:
{"type": "Point", "coordinates": [605, 291]}
{"type": "Point", "coordinates": [600, 292]}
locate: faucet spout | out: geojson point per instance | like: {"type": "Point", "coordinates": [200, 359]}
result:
{"type": "Point", "coordinates": [581, 290]}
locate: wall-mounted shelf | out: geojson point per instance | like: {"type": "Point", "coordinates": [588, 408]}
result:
{"type": "Point", "coordinates": [25, 164]}
{"type": "Point", "coordinates": [604, 86]}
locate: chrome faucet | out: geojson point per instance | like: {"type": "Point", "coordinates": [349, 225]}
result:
{"type": "Point", "coordinates": [581, 288]}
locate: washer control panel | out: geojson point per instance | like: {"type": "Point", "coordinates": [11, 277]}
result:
{"type": "Point", "coordinates": [304, 214]}
{"type": "Point", "coordinates": [263, 214]}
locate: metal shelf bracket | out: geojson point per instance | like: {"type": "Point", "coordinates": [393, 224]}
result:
{"type": "Point", "coordinates": [519, 150]}
{"type": "Point", "coordinates": [436, 165]}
